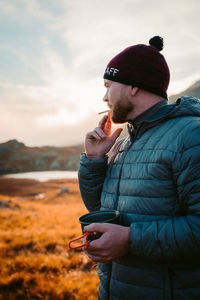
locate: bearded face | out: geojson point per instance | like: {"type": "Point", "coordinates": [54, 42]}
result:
{"type": "Point", "coordinates": [117, 98]}
{"type": "Point", "coordinates": [120, 106]}
{"type": "Point", "coordinates": [120, 111]}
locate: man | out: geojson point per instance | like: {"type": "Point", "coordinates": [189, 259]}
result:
{"type": "Point", "coordinates": [152, 177]}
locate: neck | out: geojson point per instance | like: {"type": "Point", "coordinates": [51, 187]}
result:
{"type": "Point", "coordinates": [142, 101]}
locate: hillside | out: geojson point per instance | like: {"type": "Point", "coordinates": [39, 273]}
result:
{"type": "Point", "coordinates": [16, 157]}
{"type": "Point", "coordinates": [193, 90]}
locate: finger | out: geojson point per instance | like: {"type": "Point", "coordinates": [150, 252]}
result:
{"type": "Point", "coordinates": [100, 132]}
{"type": "Point", "coordinates": [96, 227]}
{"type": "Point", "coordinates": [98, 257]}
{"type": "Point", "coordinates": [93, 135]}
{"type": "Point", "coordinates": [91, 253]}
{"type": "Point", "coordinates": [102, 122]}
{"type": "Point", "coordinates": [108, 125]}
{"type": "Point", "coordinates": [95, 258]}
{"type": "Point", "coordinates": [116, 134]}
{"type": "Point", "coordinates": [96, 247]}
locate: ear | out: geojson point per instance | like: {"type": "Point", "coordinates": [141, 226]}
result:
{"type": "Point", "coordinates": [134, 90]}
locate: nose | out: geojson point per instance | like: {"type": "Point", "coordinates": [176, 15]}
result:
{"type": "Point", "coordinates": [105, 98]}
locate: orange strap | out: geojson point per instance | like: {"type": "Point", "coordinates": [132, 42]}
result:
{"type": "Point", "coordinates": [79, 238]}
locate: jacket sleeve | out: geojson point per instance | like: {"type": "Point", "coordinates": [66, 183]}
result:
{"type": "Point", "coordinates": [177, 237]}
{"type": "Point", "coordinates": [91, 175]}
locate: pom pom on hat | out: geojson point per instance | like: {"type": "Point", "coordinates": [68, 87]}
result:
{"type": "Point", "coordinates": [142, 66]}
{"type": "Point", "coordinates": [157, 42]}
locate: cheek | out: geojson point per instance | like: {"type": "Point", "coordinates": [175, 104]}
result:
{"type": "Point", "coordinates": [112, 96]}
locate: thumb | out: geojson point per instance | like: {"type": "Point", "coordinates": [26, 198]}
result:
{"type": "Point", "coordinates": [95, 227]}
{"type": "Point", "coordinates": [116, 134]}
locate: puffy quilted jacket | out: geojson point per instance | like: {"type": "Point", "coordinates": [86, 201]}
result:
{"type": "Point", "coordinates": [155, 184]}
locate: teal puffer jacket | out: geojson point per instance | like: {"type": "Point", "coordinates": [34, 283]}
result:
{"type": "Point", "coordinates": [155, 184]}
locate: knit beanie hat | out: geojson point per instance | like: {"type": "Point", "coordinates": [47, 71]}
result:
{"type": "Point", "coordinates": [141, 66]}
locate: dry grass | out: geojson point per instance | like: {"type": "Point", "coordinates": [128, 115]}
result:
{"type": "Point", "coordinates": [34, 234]}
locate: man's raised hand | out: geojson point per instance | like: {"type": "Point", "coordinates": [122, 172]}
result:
{"type": "Point", "coordinates": [99, 141]}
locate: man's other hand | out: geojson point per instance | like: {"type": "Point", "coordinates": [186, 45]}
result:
{"type": "Point", "coordinates": [113, 243]}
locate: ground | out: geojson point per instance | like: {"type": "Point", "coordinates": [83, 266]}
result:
{"type": "Point", "coordinates": [37, 221]}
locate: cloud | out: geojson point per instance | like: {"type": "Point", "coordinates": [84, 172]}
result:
{"type": "Point", "coordinates": [26, 128]}
{"type": "Point", "coordinates": [55, 53]}
{"type": "Point", "coordinates": [24, 12]}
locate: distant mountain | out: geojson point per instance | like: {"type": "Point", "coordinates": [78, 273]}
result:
{"type": "Point", "coordinates": [193, 90]}
{"type": "Point", "coordinates": [16, 157]}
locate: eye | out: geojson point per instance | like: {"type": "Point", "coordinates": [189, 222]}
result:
{"type": "Point", "coordinates": [106, 84]}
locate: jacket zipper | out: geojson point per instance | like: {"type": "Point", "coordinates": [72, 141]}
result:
{"type": "Point", "coordinates": [123, 150]}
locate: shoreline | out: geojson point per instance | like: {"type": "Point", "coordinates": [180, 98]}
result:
{"type": "Point", "coordinates": [29, 187]}
{"type": "Point", "coordinates": [43, 175]}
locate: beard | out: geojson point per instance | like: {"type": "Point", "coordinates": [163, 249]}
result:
{"type": "Point", "coordinates": [121, 109]}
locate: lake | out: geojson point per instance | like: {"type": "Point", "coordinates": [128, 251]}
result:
{"type": "Point", "coordinates": [44, 175]}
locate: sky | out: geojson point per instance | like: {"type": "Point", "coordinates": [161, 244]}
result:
{"type": "Point", "coordinates": [53, 55]}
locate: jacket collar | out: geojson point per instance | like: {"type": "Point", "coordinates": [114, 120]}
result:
{"type": "Point", "coordinates": [133, 124]}
{"type": "Point", "coordinates": [147, 114]}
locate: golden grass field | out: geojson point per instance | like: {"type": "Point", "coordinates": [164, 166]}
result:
{"type": "Point", "coordinates": [35, 262]}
